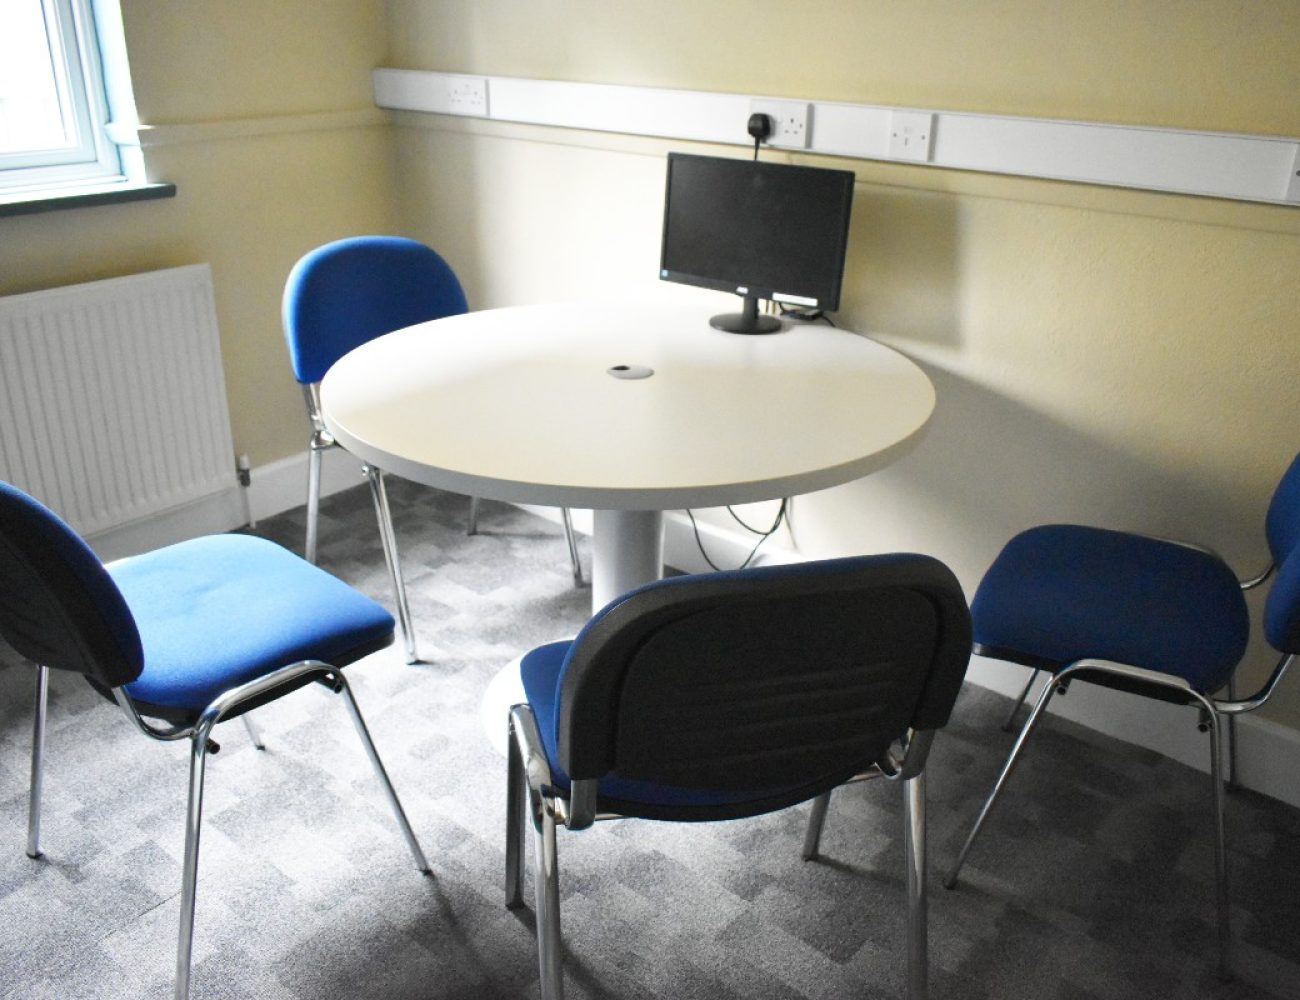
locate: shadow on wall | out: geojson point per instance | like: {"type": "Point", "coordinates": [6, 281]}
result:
{"type": "Point", "coordinates": [1021, 467]}
{"type": "Point", "coordinates": [440, 191]}
{"type": "Point", "coordinates": [990, 467]}
{"type": "Point", "coordinates": [902, 265]}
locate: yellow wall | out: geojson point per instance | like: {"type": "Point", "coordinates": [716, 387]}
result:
{"type": "Point", "coordinates": [1205, 64]}
{"type": "Point", "coordinates": [1112, 357]}
{"type": "Point", "coordinates": [248, 204]}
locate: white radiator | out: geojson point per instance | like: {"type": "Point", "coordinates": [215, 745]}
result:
{"type": "Point", "coordinates": [113, 399]}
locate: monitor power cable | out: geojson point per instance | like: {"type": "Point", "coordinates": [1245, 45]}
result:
{"type": "Point", "coordinates": [764, 534]}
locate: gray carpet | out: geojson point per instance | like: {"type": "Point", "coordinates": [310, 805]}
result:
{"type": "Point", "coordinates": [1093, 882]}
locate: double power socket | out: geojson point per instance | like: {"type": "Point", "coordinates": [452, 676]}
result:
{"type": "Point", "coordinates": [911, 133]}
{"type": "Point", "coordinates": [789, 121]}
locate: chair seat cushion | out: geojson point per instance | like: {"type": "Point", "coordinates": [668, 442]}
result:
{"type": "Point", "coordinates": [1061, 593]}
{"type": "Point", "coordinates": [540, 671]}
{"type": "Point", "coordinates": [216, 612]}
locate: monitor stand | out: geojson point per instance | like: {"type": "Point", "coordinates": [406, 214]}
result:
{"type": "Point", "coordinates": [747, 321]}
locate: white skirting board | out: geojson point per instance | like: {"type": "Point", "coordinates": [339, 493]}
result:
{"type": "Point", "coordinates": [207, 515]}
{"type": "Point", "coordinates": [1268, 753]}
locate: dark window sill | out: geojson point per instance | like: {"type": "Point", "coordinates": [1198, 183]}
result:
{"type": "Point", "coordinates": [55, 200]}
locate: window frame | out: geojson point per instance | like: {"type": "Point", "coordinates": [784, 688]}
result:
{"type": "Point", "coordinates": [93, 159]}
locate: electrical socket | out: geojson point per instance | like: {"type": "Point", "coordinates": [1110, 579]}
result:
{"type": "Point", "coordinates": [1293, 182]}
{"type": "Point", "coordinates": [911, 135]}
{"type": "Point", "coordinates": [467, 95]}
{"type": "Point", "coordinates": [789, 122]}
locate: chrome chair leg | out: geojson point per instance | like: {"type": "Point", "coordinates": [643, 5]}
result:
{"type": "Point", "coordinates": [1011, 716]}
{"type": "Point", "coordinates": [573, 546]}
{"type": "Point", "coordinates": [471, 528]}
{"type": "Point", "coordinates": [812, 837]}
{"type": "Point", "coordinates": [190, 871]}
{"type": "Point", "coordinates": [38, 763]}
{"type": "Point", "coordinates": [1043, 698]}
{"type": "Point", "coordinates": [1232, 736]}
{"type": "Point", "coordinates": [253, 734]}
{"type": "Point", "coordinates": [353, 710]}
{"type": "Point", "coordinates": [313, 500]}
{"type": "Point", "coordinates": [548, 905]}
{"type": "Point", "coordinates": [918, 956]}
{"type": "Point", "coordinates": [515, 813]}
{"type": "Point", "coordinates": [388, 539]}
{"type": "Point", "coordinates": [1220, 850]}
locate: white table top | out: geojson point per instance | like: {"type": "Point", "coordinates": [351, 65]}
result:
{"type": "Point", "coordinates": [516, 404]}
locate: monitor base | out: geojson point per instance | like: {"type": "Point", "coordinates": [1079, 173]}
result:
{"type": "Point", "coordinates": [747, 321]}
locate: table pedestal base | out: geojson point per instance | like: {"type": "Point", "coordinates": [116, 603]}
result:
{"type": "Point", "coordinates": [503, 691]}
{"type": "Point", "coordinates": [627, 551]}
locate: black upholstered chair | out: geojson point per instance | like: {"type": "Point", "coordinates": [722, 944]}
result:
{"type": "Point", "coordinates": [181, 639]}
{"type": "Point", "coordinates": [731, 695]}
{"type": "Point", "coordinates": [1151, 617]}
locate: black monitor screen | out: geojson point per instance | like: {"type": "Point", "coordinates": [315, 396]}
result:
{"type": "Point", "coordinates": [762, 230]}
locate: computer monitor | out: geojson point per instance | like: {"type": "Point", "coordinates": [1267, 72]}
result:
{"type": "Point", "coordinates": [761, 230]}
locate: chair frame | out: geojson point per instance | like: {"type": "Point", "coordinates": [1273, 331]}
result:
{"type": "Point", "coordinates": [1213, 712]}
{"type": "Point", "coordinates": [400, 282]}
{"type": "Point", "coordinates": [234, 702]}
{"type": "Point", "coordinates": [1246, 585]}
{"type": "Point", "coordinates": [566, 518]}
{"type": "Point", "coordinates": [530, 791]}
{"type": "Point", "coordinates": [322, 441]}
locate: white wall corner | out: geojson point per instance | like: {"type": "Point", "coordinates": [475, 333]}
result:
{"type": "Point", "coordinates": [282, 485]}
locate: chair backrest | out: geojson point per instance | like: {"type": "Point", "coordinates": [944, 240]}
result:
{"type": "Point", "coordinates": [1282, 527]}
{"type": "Point", "coordinates": [764, 677]}
{"type": "Point", "coordinates": [351, 291]}
{"type": "Point", "coordinates": [58, 605]}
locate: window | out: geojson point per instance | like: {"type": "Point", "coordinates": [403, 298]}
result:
{"type": "Point", "coordinates": [55, 114]}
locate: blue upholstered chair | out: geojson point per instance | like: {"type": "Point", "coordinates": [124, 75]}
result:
{"type": "Point", "coordinates": [338, 297]}
{"type": "Point", "coordinates": [731, 695]}
{"type": "Point", "coordinates": [1148, 616]}
{"type": "Point", "coordinates": [180, 638]}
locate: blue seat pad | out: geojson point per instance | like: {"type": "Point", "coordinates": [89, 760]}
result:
{"type": "Point", "coordinates": [216, 612]}
{"type": "Point", "coordinates": [1061, 593]}
{"type": "Point", "coordinates": [541, 670]}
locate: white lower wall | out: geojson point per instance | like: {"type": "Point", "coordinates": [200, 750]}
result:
{"type": "Point", "coordinates": [219, 512]}
{"type": "Point", "coordinates": [1268, 754]}
{"type": "Point", "coordinates": [274, 488]}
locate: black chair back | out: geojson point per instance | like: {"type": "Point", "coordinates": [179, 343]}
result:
{"type": "Point", "coordinates": [58, 605]}
{"type": "Point", "coordinates": [765, 678]}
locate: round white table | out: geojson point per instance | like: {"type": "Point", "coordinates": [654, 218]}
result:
{"type": "Point", "coordinates": [543, 405]}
